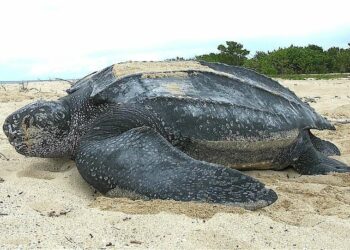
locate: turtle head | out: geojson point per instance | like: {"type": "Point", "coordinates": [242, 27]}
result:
{"type": "Point", "coordinates": [40, 129]}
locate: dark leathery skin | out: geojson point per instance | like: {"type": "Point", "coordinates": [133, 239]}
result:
{"type": "Point", "coordinates": [142, 161]}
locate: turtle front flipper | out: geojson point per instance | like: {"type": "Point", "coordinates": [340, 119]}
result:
{"type": "Point", "coordinates": [141, 161]}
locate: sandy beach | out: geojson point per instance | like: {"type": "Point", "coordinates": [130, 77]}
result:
{"type": "Point", "coordinates": [44, 203]}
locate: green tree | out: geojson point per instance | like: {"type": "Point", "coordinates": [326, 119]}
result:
{"type": "Point", "coordinates": [332, 58]}
{"type": "Point", "coordinates": [232, 53]}
{"type": "Point", "coordinates": [291, 60]}
{"type": "Point", "coordinates": [338, 59]}
{"type": "Point", "coordinates": [261, 63]}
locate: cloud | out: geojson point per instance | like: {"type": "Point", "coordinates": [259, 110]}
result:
{"type": "Point", "coordinates": [65, 36]}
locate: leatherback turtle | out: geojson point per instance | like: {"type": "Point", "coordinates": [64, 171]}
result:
{"type": "Point", "coordinates": [177, 130]}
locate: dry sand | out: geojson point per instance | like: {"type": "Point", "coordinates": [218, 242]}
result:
{"type": "Point", "coordinates": [45, 203]}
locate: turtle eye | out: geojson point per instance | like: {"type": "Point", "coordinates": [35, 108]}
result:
{"type": "Point", "coordinates": [26, 122]}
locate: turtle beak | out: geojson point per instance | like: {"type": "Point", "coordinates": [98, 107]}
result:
{"type": "Point", "coordinates": [9, 127]}
{"type": "Point", "coordinates": [6, 127]}
{"type": "Point", "coordinates": [12, 128]}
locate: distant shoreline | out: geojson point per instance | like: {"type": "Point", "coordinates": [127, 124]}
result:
{"type": "Point", "coordinates": [38, 81]}
{"type": "Point", "coordinates": [327, 76]}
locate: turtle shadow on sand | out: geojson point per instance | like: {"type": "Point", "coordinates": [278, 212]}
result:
{"type": "Point", "coordinates": [46, 169]}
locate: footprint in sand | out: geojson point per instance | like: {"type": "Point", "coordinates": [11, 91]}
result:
{"type": "Point", "coordinates": [50, 208]}
{"type": "Point", "coordinates": [46, 169]}
{"type": "Point", "coordinates": [323, 195]}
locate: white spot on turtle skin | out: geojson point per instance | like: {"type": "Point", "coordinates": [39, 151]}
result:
{"type": "Point", "coordinates": [10, 129]}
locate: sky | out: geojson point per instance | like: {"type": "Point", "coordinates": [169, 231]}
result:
{"type": "Point", "coordinates": [42, 39]}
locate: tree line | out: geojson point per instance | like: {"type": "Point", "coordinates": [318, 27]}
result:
{"type": "Point", "coordinates": [311, 59]}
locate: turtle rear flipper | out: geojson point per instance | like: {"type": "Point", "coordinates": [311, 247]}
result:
{"type": "Point", "coordinates": [325, 147]}
{"type": "Point", "coordinates": [313, 162]}
{"type": "Point", "coordinates": [140, 160]}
